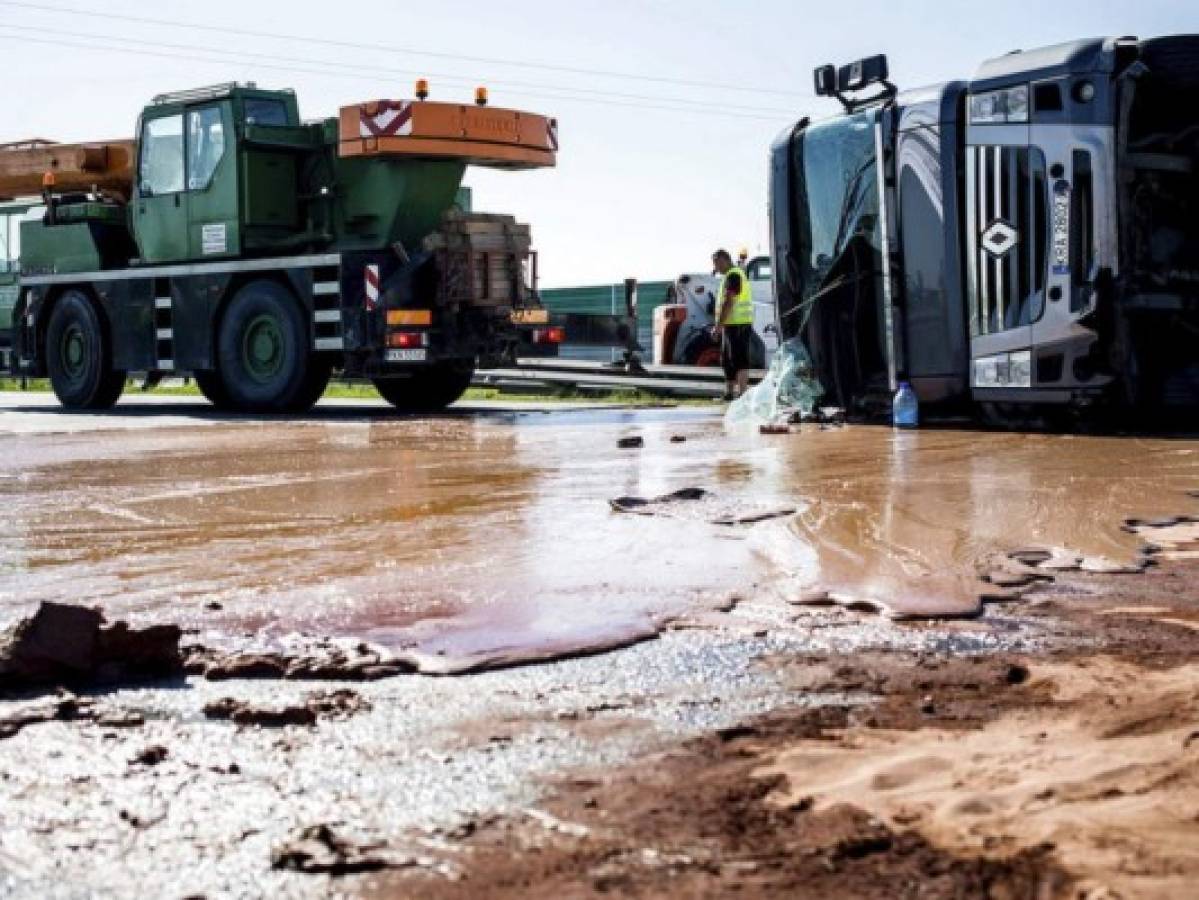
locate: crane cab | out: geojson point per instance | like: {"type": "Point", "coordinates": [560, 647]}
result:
{"type": "Point", "coordinates": [216, 173]}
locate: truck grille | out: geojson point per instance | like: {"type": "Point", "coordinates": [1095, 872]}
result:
{"type": "Point", "coordinates": [1006, 233]}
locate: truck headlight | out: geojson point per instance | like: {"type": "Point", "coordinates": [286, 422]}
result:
{"type": "Point", "coordinates": [1020, 369]}
{"type": "Point", "coordinates": [1004, 370]}
{"type": "Point", "coordinates": [1009, 105]}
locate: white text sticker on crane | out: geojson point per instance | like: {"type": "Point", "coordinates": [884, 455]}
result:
{"type": "Point", "coordinates": [371, 283]}
{"type": "Point", "coordinates": [213, 238]}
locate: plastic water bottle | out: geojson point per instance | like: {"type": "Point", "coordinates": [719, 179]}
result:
{"type": "Point", "coordinates": [905, 408]}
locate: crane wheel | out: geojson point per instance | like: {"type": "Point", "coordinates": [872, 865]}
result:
{"type": "Point", "coordinates": [320, 370]}
{"type": "Point", "coordinates": [427, 390]}
{"type": "Point", "coordinates": [79, 355]}
{"type": "Point", "coordinates": [262, 350]}
{"type": "Point", "coordinates": [213, 388]}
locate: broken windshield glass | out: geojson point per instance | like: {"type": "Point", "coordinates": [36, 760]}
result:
{"type": "Point", "coordinates": [836, 200]}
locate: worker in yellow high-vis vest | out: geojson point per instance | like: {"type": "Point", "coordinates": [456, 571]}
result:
{"type": "Point", "coordinates": [734, 323]}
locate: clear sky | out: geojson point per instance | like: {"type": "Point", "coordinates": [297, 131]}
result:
{"type": "Point", "coordinates": [656, 169]}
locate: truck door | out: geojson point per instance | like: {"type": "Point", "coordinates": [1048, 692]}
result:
{"type": "Point", "coordinates": [1005, 191]}
{"type": "Point", "coordinates": [211, 182]}
{"type": "Point", "coordinates": [160, 204]}
{"type": "Point", "coordinates": [932, 323]}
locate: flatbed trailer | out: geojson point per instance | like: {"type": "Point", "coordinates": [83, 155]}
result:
{"type": "Point", "coordinates": [587, 375]}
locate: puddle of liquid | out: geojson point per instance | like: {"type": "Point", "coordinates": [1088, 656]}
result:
{"type": "Point", "coordinates": [463, 542]}
{"type": "Point", "coordinates": [472, 542]}
{"type": "Point", "coordinates": [905, 518]}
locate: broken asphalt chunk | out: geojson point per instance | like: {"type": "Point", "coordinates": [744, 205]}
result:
{"type": "Point", "coordinates": [318, 849]}
{"type": "Point", "coordinates": [64, 707]}
{"type": "Point", "coordinates": [68, 644]}
{"type": "Point", "coordinates": [339, 704]}
{"type": "Point", "coordinates": [241, 712]}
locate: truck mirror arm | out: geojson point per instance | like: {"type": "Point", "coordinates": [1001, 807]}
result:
{"type": "Point", "coordinates": [853, 104]}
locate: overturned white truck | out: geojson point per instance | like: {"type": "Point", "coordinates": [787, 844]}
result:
{"type": "Point", "coordinates": [1023, 242]}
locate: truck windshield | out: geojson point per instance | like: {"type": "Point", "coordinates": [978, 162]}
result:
{"type": "Point", "coordinates": [836, 200]}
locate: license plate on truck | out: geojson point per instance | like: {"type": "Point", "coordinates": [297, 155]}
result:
{"type": "Point", "coordinates": [407, 355]}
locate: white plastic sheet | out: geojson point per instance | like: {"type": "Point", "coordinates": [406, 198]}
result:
{"type": "Point", "coordinates": [787, 389]}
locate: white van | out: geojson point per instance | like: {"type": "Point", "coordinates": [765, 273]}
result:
{"type": "Point", "coordinates": [683, 325]}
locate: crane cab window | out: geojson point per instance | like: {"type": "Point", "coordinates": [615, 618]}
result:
{"type": "Point", "coordinates": [205, 146]}
{"type": "Point", "coordinates": [160, 170]}
{"type": "Point", "coordinates": [10, 241]}
{"type": "Point", "coordinates": [265, 112]}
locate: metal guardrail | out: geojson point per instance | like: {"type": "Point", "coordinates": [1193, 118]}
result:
{"type": "Point", "coordinates": [586, 375]}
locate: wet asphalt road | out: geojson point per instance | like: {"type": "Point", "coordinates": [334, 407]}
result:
{"type": "Point", "coordinates": [484, 530]}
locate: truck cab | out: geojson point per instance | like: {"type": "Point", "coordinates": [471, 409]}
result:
{"type": "Point", "coordinates": [1019, 241]}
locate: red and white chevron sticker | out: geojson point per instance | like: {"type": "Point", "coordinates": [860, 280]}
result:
{"type": "Point", "coordinates": [371, 281]}
{"type": "Point", "coordinates": [387, 118]}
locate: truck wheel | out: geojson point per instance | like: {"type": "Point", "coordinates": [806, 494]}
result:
{"type": "Point", "coordinates": [701, 350]}
{"type": "Point", "coordinates": [427, 390]}
{"type": "Point", "coordinates": [213, 388]}
{"type": "Point", "coordinates": [262, 349]}
{"type": "Point", "coordinates": [319, 372]}
{"type": "Point", "coordinates": [79, 356]}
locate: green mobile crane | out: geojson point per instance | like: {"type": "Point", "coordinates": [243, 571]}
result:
{"type": "Point", "coordinates": [258, 253]}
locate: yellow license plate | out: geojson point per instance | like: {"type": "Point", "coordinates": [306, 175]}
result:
{"type": "Point", "coordinates": [530, 316]}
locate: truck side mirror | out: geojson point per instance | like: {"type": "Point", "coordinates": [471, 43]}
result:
{"type": "Point", "coordinates": [862, 73]}
{"type": "Point", "coordinates": [825, 78]}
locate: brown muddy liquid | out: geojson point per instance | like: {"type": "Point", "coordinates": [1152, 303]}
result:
{"type": "Point", "coordinates": [492, 539]}
{"type": "Point", "coordinates": [453, 537]}
{"type": "Point", "coordinates": [906, 518]}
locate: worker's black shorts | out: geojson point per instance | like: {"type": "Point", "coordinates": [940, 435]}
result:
{"type": "Point", "coordinates": [734, 349]}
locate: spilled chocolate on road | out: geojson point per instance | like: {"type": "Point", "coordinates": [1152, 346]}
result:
{"type": "Point", "coordinates": [483, 539]}
{"type": "Point", "coordinates": [468, 538]}
{"type": "Point", "coordinates": [910, 520]}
